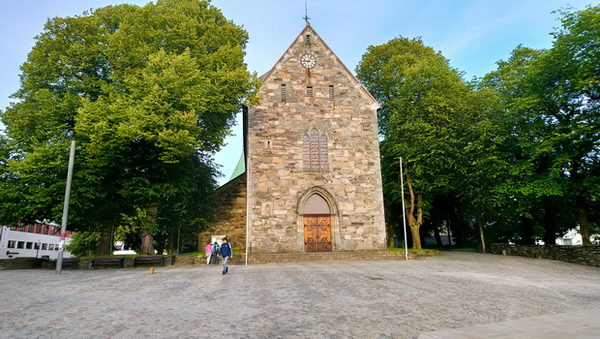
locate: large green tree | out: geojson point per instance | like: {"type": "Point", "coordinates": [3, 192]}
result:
{"type": "Point", "coordinates": [550, 112]}
{"type": "Point", "coordinates": [528, 180]}
{"type": "Point", "coordinates": [426, 110]}
{"type": "Point", "coordinates": [569, 79]}
{"type": "Point", "coordinates": [148, 93]}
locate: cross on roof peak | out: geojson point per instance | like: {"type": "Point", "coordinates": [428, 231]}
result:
{"type": "Point", "coordinates": [306, 18]}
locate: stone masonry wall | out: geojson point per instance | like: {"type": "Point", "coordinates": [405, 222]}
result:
{"type": "Point", "coordinates": [346, 115]}
{"type": "Point", "coordinates": [587, 255]}
{"type": "Point", "coordinates": [230, 214]}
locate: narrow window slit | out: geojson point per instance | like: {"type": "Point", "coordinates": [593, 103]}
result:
{"type": "Point", "coordinates": [283, 92]}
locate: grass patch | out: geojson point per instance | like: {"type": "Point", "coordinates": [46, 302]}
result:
{"type": "Point", "coordinates": [456, 249]}
{"type": "Point", "coordinates": [90, 257]}
{"type": "Point", "coordinates": [397, 249]}
{"type": "Point", "coordinates": [235, 251]}
{"type": "Point", "coordinates": [192, 253]}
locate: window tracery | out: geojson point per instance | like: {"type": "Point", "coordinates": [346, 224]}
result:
{"type": "Point", "coordinates": [315, 151]}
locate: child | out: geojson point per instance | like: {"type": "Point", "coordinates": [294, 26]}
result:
{"type": "Point", "coordinates": [208, 251]}
{"type": "Point", "coordinates": [215, 253]}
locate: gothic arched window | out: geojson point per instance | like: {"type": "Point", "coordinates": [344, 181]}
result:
{"type": "Point", "coordinates": [315, 151]}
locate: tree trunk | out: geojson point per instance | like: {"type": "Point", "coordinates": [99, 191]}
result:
{"type": "Point", "coordinates": [584, 221]}
{"type": "Point", "coordinates": [104, 244]}
{"type": "Point", "coordinates": [172, 244]}
{"type": "Point", "coordinates": [527, 225]}
{"type": "Point", "coordinates": [147, 238]}
{"type": "Point", "coordinates": [160, 244]}
{"type": "Point", "coordinates": [438, 237]}
{"type": "Point", "coordinates": [416, 237]}
{"type": "Point", "coordinates": [414, 222]}
{"type": "Point", "coordinates": [481, 235]}
{"type": "Point", "coordinates": [550, 226]}
{"type": "Point", "coordinates": [147, 243]}
{"type": "Point", "coordinates": [389, 226]}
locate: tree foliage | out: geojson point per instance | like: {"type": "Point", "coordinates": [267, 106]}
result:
{"type": "Point", "coordinates": [550, 114]}
{"type": "Point", "coordinates": [514, 154]}
{"type": "Point", "coordinates": [425, 116]}
{"type": "Point", "coordinates": [148, 93]}
{"type": "Point", "coordinates": [83, 243]}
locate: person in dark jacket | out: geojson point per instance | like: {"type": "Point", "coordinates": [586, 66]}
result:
{"type": "Point", "coordinates": [226, 253]}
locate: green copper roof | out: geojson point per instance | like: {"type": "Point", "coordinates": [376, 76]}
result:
{"type": "Point", "coordinates": [239, 168]}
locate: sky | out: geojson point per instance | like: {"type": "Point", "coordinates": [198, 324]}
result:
{"type": "Point", "coordinates": [472, 34]}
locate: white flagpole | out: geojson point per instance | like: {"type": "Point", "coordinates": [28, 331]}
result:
{"type": "Point", "coordinates": [63, 228]}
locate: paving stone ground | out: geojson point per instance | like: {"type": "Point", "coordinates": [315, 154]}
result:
{"type": "Point", "coordinates": [457, 295]}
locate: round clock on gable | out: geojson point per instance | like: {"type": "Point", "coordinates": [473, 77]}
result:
{"type": "Point", "coordinates": [308, 60]}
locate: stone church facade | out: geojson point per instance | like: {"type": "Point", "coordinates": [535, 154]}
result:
{"type": "Point", "coordinates": [313, 175]}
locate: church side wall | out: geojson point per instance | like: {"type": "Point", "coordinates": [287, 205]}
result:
{"type": "Point", "coordinates": [229, 215]}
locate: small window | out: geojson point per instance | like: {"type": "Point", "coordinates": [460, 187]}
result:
{"type": "Point", "coordinates": [307, 38]}
{"type": "Point", "coordinates": [283, 92]}
{"type": "Point", "coordinates": [56, 247]}
{"type": "Point", "coordinates": [29, 245]}
{"type": "Point", "coordinates": [331, 93]}
{"type": "Point", "coordinates": [21, 244]}
{"type": "Point", "coordinates": [51, 247]}
{"type": "Point", "coordinates": [12, 244]}
{"type": "Point", "coordinates": [44, 247]}
{"type": "Point", "coordinates": [309, 91]}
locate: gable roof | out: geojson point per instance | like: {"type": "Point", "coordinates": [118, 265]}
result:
{"type": "Point", "coordinates": [241, 165]}
{"type": "Point", "coordinates": [308, 28]}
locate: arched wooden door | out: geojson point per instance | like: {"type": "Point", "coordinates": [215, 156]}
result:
{"type": "Point", "coordinates": [317, 225]}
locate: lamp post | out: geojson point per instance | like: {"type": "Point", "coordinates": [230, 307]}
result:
{"type": "Point", "coordinates": [37, 248]}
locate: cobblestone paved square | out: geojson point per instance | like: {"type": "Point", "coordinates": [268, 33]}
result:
{"type": "Point", "coordinates": [376, 299]}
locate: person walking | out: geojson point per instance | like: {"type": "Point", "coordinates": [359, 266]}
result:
{"type": "Point", "coordinates": [226, 253]}
{"type": "Point", "coordinates": [208, 251]}
{"type": "Point", "coordinates": [215, 253]}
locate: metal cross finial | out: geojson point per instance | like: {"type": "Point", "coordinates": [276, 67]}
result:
{"type": "Point", "coordinates": [306, 18]}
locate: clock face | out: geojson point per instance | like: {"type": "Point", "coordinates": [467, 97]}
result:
{"type": "Point", "coordinates": [308, 60]}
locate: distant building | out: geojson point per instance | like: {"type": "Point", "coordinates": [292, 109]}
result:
{"type": "Point", "coordinates": [37, 240]}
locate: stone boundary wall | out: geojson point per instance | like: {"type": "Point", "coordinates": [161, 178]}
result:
{"type": "Point", "coordinates": [239, 259]}
{"type": "Point", "coordinates": [340, 256]}
{"type": "Point", "coordinates": [586, 255]}
{"type": "Point", "coordinates": [20, 263]}
{"type": "Point", "coordinates": [73, 263]}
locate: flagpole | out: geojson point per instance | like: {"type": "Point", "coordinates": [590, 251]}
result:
{"type": "Point", "coordinates": [63, 228]}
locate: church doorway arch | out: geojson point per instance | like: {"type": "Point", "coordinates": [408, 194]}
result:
{"type": "Point", "coordinates": [318, 220]}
